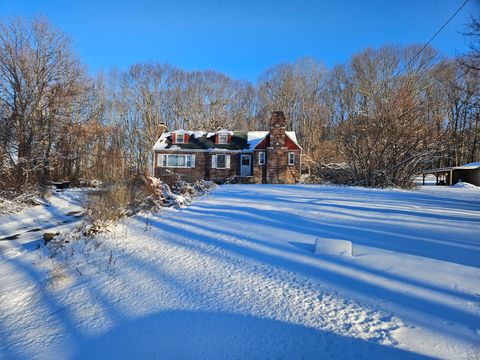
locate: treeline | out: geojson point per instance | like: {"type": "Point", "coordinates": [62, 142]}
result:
{"type": "Point", "coordinates": [386, 114]}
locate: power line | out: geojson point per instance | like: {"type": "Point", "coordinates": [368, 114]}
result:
{"type": "Point", "coordinates": [431, 39]}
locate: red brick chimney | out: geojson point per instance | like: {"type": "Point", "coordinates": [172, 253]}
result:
{"type": "Point", "coordinates": [277, 129]}
{"type": "Point", "coordinates": [277, 151]}
{"type": "Point", "coordinates": [162, 127]}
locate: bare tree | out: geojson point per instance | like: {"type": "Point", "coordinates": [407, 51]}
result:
{"type": "Point", "coordinates": [40, 78]}
{"type": "Point", "coordinates": [299, 90]}
{"type": "Point", "coordinates": [211, 100]}
{"type": "Point", "coordinates": [471, 60]}
{"type": "Point", "coordinates": [388, 134]}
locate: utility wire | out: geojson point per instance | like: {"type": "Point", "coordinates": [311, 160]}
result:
{"type": "Point", "coordinates": [431, 39]}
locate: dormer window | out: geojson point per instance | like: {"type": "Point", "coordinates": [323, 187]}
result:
{"type": "Point", "coordinates": [180, 138]}
{"type": "Point", "coordinates": [223, 137]}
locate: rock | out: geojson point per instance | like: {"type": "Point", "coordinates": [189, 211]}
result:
{"type": "Point", "coordinates": [48, 236]}
{"type": "Point", "coordinates": [61, 184]}
{"type": "Point", "coordinates": [326, 246]}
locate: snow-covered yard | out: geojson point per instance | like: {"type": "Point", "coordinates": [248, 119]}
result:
{"type": "Point", "coordinates": [234, 276]}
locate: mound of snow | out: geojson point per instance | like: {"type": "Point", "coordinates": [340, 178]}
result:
{"type": "Point", "coordinates": [333, 247]}
{"type": "Point", "coordinates": [464, 185]}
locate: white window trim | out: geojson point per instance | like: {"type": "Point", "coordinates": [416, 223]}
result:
{"type": "Point", "coordinates": [162, 161]}
{"type": "Point", "coordinates": [293, 157]}
{"type": "Point", "coordinates": [260, 162]}
{"type": "Point", "coordinates": [222, 142]}
{"type": "Point", "coordinates": [183, 138]}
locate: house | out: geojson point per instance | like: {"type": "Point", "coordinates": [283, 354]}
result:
{"type": "Point", "coordinates": [469, 173]}
{"type": "Point", "coordinates": [253, 156]}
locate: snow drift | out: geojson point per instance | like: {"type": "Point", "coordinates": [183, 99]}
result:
{"type": "Point", "coordinates": [333, 247]}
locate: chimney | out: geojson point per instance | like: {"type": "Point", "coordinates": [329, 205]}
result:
{"type": "Point", "coordinates": [162, 127]}
{"type": "Point", "coordinates": [277, 130]}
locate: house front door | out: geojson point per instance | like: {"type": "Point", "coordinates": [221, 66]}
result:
{"type": "Point", "coordinates": [245, 165]}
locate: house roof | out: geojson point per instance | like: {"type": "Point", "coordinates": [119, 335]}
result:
{"type": "Point", "coordinates": [205, 140]}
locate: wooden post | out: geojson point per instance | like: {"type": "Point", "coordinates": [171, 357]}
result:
{"type": "Point", "coordinates": [424, 178]}
{"type": "Point", "coordinates": [451, 177]}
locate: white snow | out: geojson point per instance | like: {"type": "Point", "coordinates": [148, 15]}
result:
{"type": "Point", "coordinates": [324, 246]}
{"type": "Point", "coordinates": [234, 276]}
{"type": "Point", "coordinates": [255, 137]}
{"type": "Point", "coordinates": [161, 143]}
{"type": "Point", "coordinates": [465, 185]}
{"type": "Point", "coordinates": [198, 134]}
{"type": "Point", "coordinates": [471, 165]}
{"type": "Point", "coordinates": [61, 210]}
{"type": "Point", "coordinates": [9, 207]}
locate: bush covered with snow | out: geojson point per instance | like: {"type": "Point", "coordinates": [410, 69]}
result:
{"type": "Point", "coordinates": [12, 202]}
{"type": "Point", "coordinates": [344, 174]}
{"type": "Point", "coordinates": [334, 173]}
{"type": "Point", "coordinates": [117, 200]}
{"type": "Point", "coordinates": [181, 193]}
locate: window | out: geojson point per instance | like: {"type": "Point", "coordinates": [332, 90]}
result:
{"type": "Point", "coordinates": [221, 161]}
{"type": "Point", "coordinates": [178, 161]}
{"type": "Point", "coordinates": [223, 138]}
{"type": "Point", "coordinates": [291, 158]}
{"type": "Point", "coordinates": [180, 138]}
{"type": "Point", "coordinates": [261, 158]}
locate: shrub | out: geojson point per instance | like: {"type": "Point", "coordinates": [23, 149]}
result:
{"type": "Point", "coordinates": [120, 199]}
{"type": "Point", "coordinates": [114, 200]}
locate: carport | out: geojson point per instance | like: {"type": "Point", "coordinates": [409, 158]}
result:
{"type": "Point", "coordinates": [469, 173]}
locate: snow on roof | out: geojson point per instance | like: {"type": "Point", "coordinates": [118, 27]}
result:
{"type": "Point", "coordinates": [198, 134]}
{"type": "Point", "coordinates": [162, 141]}
{"type": "Point", "coordinates": [224, 131]}
{"type": "Point", "coordinates": [469, 166]}
{"type": "Point", "coordinates": [255, 137]}
{"type": "Point", "coordinates": [472, 165]}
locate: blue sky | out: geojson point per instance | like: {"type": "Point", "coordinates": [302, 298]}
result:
{"type": "Point", "coordinates": [243, 38]}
